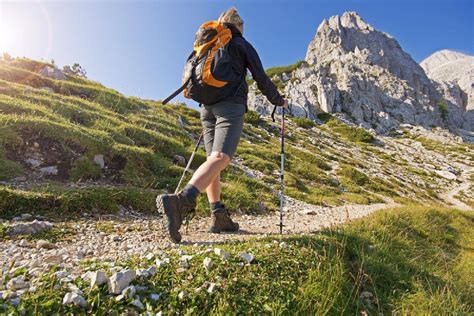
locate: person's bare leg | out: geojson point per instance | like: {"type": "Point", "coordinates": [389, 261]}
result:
{"type": "Point", "coordinates": [214, 190]}
{"type": "Point", "coordinates": [209, 170]}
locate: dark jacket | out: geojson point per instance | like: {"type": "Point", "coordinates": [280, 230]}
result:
{"type": "Point", "coordinates": [244, 57]}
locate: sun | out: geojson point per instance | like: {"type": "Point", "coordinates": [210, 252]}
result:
{"type": "Point", "coordinates": [23, 26]}
{"type": "Point", "coordinates": [8, 37]}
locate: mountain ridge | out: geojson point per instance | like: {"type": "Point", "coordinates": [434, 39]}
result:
{"type": "Point", "coordinates": [352, 68]}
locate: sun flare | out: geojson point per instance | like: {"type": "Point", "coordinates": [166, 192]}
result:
{"type": "Point", "coordinates": [8, 38]}
{"type": "Point", "coordinates": [22, 26]}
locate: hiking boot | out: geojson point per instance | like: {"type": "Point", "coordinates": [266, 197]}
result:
{"type": "Point", "coordinates": [175, 207]}
{"type": "Point", "coordinates": [221, 222]}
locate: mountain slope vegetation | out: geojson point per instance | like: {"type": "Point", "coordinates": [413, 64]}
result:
{"type": "Point", "coordinates": [55, 132]}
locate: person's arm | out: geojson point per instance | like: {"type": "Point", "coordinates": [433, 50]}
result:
{"type": "Point", "coordinates": [258, 74]}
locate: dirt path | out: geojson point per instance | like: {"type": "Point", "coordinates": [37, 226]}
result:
{"type": "Point", "coordinates": [113, 237]}
{"type": "Point", "coordinates": [465, 185]}
{"type": "Point", "coordinates": [298, 217]}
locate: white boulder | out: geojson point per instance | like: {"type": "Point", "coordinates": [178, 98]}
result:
{"type": "Point", "coordinates": [120, 280]}
{"type": "Point", "coordinates": [74, 299]}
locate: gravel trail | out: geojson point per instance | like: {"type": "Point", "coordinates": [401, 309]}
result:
{"type": "Point", "coordinates": [111, 237]}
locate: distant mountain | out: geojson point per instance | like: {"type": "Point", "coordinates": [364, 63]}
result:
{"type": "Point", "coordinates": [451, 70]}
{"type": "Point", "coordinates": [354, 69]}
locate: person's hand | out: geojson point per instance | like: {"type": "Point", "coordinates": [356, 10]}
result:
{"type": "Point", "coordinates": [285, 105]}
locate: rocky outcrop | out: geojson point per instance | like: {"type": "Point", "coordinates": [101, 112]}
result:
{"type": "Point", "coordinates": [53, 73]}
{"type": "Point", "coordinates": [454, 74]}
{"type": "Point", "coordinates": [352, 68]}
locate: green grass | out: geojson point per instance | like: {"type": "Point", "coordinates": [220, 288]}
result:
{"type": "Point", "coordinates": [252, 117]}
{"type": "Point", "coordinates": [279, 70]}
{"type": "Point", "coordinates": [465, 199]}
{"type": "Point", "coordinates": [411, 260]}
{"type": "Point", "coordinates": [304, 122]}
{"type": "Point", "coordinates": [84, 169]}
{"type": "Point", "coordinates": [9, 169]}
{"type": "Point", "coordinates": [61, 203]}
{"type": "Point", "coordinates": [276, 71]}
{"type": "Point", "coordinates": [466, 149]}
{"type": "Point", "coordinates": [349, 133]}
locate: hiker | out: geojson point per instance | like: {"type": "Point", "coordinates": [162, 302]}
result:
{"type": "Point", "coordinates": [222, 126]}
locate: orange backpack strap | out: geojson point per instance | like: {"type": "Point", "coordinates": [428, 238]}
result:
{"type": "Point", "coordinates": [221, 39]}
{"type": "Point", "coordinates": [218, 27]}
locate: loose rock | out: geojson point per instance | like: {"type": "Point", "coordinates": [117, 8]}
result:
{"type": "Point", "coordinates": [17, 283]}
{"type": "Point", "coordinates": [211, 288]}
{"type": "Point", "coordinates": [129, 291]}
{"type": "Point", "coordinates": [29, 228]}
{"type": "Point", "coordinates": [45, 244]}
{"type": "Point", "coordinates": [98, 278]}
{"type": "Point", "coordinates": [137, 303]}
{"type": "Point", "coordinates": [154, 296]}
{"type": "Point", "coordinates": [120, 280]}
{"type": "Point", "coordinates": [246, 257]}
{"type": "Point", "coordinates": [74, 299]}
{"type": "Point", "coordinates": [99, 160]}
{"type": "Point", "coordinates": [182, 295]}
{"type": "Point", "coordinates": [207, 263]}
{"type": "Point", "coordinates": [222, 253]}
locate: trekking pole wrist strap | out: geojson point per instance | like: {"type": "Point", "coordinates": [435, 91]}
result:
{"type": "Point", "coordinates": [273, 113]}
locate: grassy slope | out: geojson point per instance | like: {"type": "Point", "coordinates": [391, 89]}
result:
{"type": "Point", "coordinates": [410, 260]}
{"type": "Point", "coordinates": [139, 139]}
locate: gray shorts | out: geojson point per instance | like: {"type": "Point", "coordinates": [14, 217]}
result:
{"type": "Point", "coordinates": [223, 123]}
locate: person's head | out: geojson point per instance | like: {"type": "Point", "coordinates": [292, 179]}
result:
{"type": "Point", "coordinates": [233, 17]}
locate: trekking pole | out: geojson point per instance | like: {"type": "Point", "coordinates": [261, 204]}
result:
{"type": "Point", "coordinates": [190, 160]}
{"type": "Point", "coordinates": [282, 166]}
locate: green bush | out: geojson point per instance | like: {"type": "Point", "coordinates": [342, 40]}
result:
{"type": "Point", "coordinates": [443, 109]}
{"type": "Point", "coordinates": [84, 169]}
{"type": "Point", "coordinates": [278, 70]}
{"type": "Point", "coordinates": [252, 117]}
{"type": "Point", "coordinates": [62, 203]}
{"type": "Point", "coordinates": [304, 122]}
{"type": "Point", "coordinates": [353, 174]}
{"type": "Point", "coordinates": [324, 117]}
{"type": "Point", "coordinates": [284, 69]}
{"type": "Point", "coordinates": [9, 169]}
{"type": "Point", "coordinates": [259, 164]}
{"type": "Point", "coordinates": [350, 133]}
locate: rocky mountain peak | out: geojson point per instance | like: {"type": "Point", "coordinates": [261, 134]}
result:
{"type": "Point", "coordinates": [453, 71]}
{"type": "Point", "coordinates": [353, 68]}
{"type": "Point", "coordinates": [442, 57]}
{"type": "Point", "coordinates": [349, 34]}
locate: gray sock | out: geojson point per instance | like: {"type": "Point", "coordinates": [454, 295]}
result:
{"type": "Point", "coordinates": [190, 192]}
{"type": "Point", "coordinates": [216, 206]}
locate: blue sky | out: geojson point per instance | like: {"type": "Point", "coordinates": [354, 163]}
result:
{"type": "Point", "coordinates": [139, 47]}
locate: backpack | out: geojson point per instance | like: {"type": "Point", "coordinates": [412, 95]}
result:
{"type": "Point", "coordinates": [208, 75]}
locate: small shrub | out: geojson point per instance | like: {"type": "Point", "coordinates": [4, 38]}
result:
{"type": "Point", "coordinates": [84, 169]}
{"type": "Point", "coordinates": [350, 133]}
{"type": "Point", "coordinates": [353, 174]}
{"type": "Point", "coordinates": [259, 164]}
{"type": "Point", "coordinates": [252, 117]}
{"type": "Point", "coordinates": [304, 122]}
{"type": "Point", "coordinates": [282, 69]}
{"type": "Point", "coordinates": [443, 109]}
{"type": "Point", "coordinates": [9, 169]}
{"type": "Point", "coordinates": [324, 117]}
